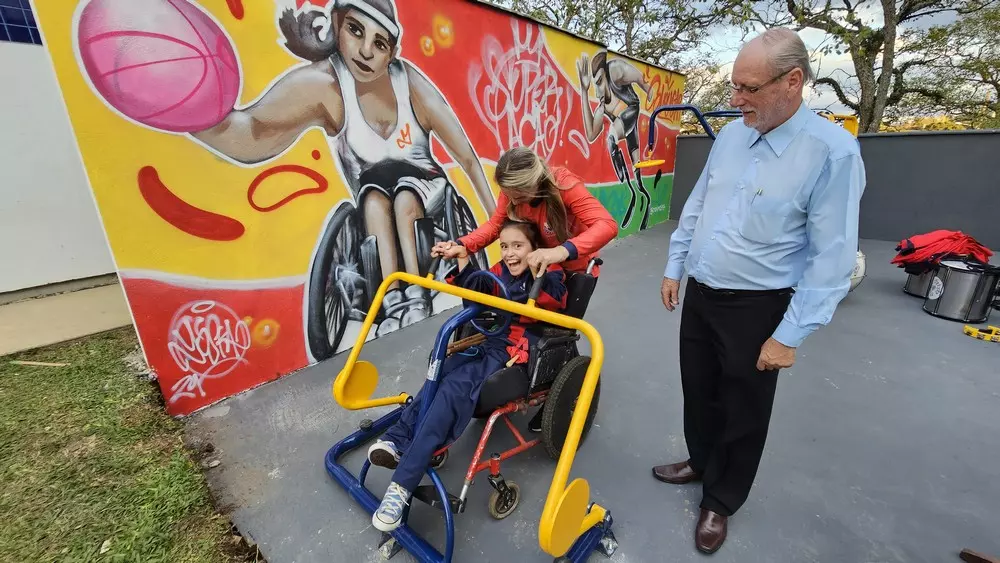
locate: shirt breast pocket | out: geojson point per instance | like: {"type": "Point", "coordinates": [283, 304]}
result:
{"type": "Point", "coordinates": [766, 217]}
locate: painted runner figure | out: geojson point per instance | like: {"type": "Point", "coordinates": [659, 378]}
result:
{"type": "Point", "coordinates": [409, 452]}
{"type": "Point", "coordinates": [614, 81]}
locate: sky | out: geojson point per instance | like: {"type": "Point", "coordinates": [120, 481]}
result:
{"type": "Point", "coordinates": [725, 44]}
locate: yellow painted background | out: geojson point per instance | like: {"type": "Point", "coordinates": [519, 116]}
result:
{"type": "Point", "coordinates": [277, 243]}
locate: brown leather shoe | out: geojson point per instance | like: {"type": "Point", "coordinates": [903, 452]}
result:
{"type": "Point", "coordinates": [711, 531]}
{"type": "Point", "coordinates": [676, 473]}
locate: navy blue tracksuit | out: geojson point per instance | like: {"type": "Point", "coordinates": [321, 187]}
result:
{"type": "Point", "coordinates": [463, 374]}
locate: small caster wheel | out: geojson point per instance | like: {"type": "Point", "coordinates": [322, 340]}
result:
{"type": "Point", "coordinates": [439, 461]}
{"type": "Point", "coordinates": [501, 506]}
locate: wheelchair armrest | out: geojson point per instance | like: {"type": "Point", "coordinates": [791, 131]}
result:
{"type": "Point", "coordinates": [553, 335]}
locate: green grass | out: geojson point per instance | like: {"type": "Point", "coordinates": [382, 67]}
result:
{"type": "Point", "coordinates": [88, 458]}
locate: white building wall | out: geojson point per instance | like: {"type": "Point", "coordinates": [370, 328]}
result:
{"type": "Point", "coordinates": [50, 230]}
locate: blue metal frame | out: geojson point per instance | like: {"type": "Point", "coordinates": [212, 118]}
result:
{"type": "Point", "coordinates": [697, 113]}
{"type": "Point", "coordinates": [405, 536]}
{"type": "Point", "coordinates": [355, 486]}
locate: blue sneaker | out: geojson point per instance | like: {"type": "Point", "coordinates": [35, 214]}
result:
{"type": "Point", "coordinates": [389, 514]}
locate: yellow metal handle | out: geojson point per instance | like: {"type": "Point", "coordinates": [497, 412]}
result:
{"type": "Point", "coordinates": [566, 514]}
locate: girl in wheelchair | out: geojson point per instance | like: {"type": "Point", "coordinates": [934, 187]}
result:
{"type": "Point", "coordinates": [408, 449]}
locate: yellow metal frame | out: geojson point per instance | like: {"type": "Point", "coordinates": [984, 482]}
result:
{"type": "Point", "coordinates": [565, 516]}
{"type": "Point", "coordinates": [990, 334]}
{"type": "Point", "coordinates": [850, 122]}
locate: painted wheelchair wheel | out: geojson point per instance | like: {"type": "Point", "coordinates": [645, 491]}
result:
{"type": "Point", "coordinates": [336, 283]}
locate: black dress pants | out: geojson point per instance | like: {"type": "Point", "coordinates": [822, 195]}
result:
{"type": "Point", "coordinates": [727, 401]}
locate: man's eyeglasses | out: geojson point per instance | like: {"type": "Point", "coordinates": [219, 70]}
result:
{"type": "Point", "coordinates": [754, 89]}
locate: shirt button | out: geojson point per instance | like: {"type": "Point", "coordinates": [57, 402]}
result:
{"type": "Point", "coordinates": [713, 237]}
{"type": "Point", "coordinates": [756, 161]}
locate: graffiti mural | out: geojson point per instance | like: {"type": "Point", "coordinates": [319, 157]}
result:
{"type": "Point", "coordinates": [260, 167]}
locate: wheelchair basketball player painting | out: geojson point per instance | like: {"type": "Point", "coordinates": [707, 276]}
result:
{"type": "Point", "coordinates": [378, 113]}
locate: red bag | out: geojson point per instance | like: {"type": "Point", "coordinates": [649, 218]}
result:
{"type": "Point", "coordinates": [920, 252]}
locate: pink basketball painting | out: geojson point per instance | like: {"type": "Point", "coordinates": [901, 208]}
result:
{"type": "Point", "coordinates": [162, 63]}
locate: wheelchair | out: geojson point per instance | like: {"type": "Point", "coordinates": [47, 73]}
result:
{"type": "Point", "coordinates": [554, 379]}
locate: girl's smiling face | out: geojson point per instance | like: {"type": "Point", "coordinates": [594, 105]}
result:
{"type": "Point", "coordinates": [514, 250]}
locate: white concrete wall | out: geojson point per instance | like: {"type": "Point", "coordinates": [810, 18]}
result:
{"type": "Point", "coordinates": [49, 227]}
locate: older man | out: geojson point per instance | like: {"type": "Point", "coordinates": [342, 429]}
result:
{"type": "Point", "coordinates": [768, 238]}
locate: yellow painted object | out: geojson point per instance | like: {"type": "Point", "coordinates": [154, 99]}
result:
{"type": "Point", "coordinates": [649, 161]}
{"type": "Point", "coordinates": [849, 122]}
{"type": "Point", "coordinates": [565, 516]}
{"type": "Point", "coordinates": [991, 334]}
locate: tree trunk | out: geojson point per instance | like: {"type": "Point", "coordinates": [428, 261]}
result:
{"type": "Point", "coordinates": [888, 63]}
{"type": "Point", "coordinates": [864, 69]}
{"type": "Point", "coordinates": [629, 31]}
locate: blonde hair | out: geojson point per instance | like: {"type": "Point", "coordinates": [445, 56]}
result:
{"type": "Point", "coordinates": [521, 172]}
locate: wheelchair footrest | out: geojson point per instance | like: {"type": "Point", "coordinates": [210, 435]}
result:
{"type": "Point", "coordinates": [388, 547]}
{"type": "Point", "coordinates": [428, 495]}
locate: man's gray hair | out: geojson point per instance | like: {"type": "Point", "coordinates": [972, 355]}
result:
{"type": "Point", "coordinates": [787, 52]}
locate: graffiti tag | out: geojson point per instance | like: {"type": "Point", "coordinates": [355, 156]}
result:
{"type": "Point", "coordinates": [517, 93]}
{"type": "Point", "coordinates": [207, 340]}
{"type": "Point", "coordinates": [662, 91]}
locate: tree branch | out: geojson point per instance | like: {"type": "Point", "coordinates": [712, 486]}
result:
{"type": "Point", "coordinates": [839, 91]}
{"type": "Point", "coordinates": [821, 21]}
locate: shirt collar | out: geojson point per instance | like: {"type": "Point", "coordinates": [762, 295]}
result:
{"type": "Point", "coordinates": [781, 136]}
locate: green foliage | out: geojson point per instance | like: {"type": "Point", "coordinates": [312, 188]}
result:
{"type": "Point", "coordinates": [902, 66]}
{"type": "Point", "coordinates": [662, 32]}
{"type": "Point", "coordinates": [658, 31]}
{"type": "Point", "coordinates": [891, 51]}
{"type": "Point", "coordinates": [960, 64]}
{"type": "Point", "coordinates": [93, 469]}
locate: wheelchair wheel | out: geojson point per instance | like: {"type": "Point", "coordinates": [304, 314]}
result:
{"type": "Point", "coordinates": [437, 462]}
{"type": "Point", "coordinates": [336, 283]}
{"type": "Point", "coordinates": [561, 403]}
{"type": "Point", "coordinates": [501, 507]}
{"type": "Point", "coordinates": [459, 221]}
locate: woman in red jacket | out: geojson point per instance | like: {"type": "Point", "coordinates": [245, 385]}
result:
{"type": "Point", "coordinates": [573, 223]}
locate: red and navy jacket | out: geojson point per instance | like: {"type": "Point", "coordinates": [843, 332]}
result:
{"type": "Point", "coordinates": [517, 340]}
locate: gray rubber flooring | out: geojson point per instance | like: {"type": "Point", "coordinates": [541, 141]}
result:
{"type": "Point", "coordinates": [884, 442]}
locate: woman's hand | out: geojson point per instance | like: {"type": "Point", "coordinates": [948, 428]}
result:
{"type": "Point", "coordinates": [540, 260]}
{"type": "Point", "coordinates": [449, 250]}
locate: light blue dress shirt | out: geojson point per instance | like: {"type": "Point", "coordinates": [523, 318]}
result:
{"type": "Point", "coordinates": [776, 211]}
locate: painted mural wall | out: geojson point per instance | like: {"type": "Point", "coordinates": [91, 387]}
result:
{"type": "Point", "coordinates": [260, 166]}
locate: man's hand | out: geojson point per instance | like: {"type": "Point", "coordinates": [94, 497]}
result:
{"type": "Point", "coordinates": [449, 250]}
{"type": "Point", "coordinates": [583, 70]}
{"type": "Point", "coordinates": [775, 355]}
{"type": "Point", "coordinates": [540, 260]}
{"type": "Point", "coordinates": [670, 291]}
